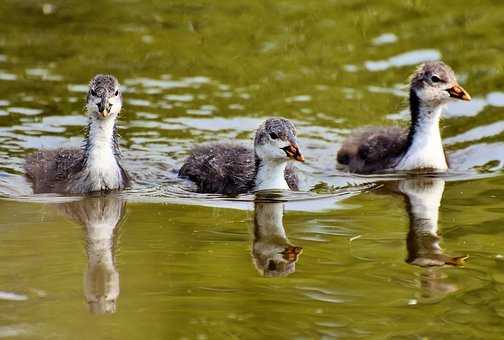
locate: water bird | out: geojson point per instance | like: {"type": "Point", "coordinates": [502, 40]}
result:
{"type": "Point", "coordinates": [94, 167]}
{"type": "Point", "coordinates": [375, 149]}
{"type": "Point", "coordinates": [230, 169]}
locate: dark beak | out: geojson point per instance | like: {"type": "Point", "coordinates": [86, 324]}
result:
{"type": "Point", "coordinates": [458, 92]}
{"type": "Point", "coordinates": [293, 152]}
{"type": "Point", "coordinates": [104, 107]}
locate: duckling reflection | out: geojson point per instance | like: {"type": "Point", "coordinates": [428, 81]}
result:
{"type": "Point", "coordinates": [423, 198]}
{"type": "Point", "coordinates": [272, 252]}
{"type": "Point", "coordinates": [100, 216]}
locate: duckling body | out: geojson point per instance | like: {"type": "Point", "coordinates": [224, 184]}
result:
{"type": "Point", "coordinates": [66, 171]}
{"type": "Point", "coordinates": [231, 169]}
{"type": "Point", "coordinates": [96, 166]}
{"type": "Point", "coordinates": [375, 149]}
{"type": "Point", "coordinates": [228, 169]}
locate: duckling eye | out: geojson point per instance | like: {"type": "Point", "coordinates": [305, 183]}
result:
{"type": "Point", "coordinates": [116, 93]}
{"type": "Point", "coordinates": [435, 79]}
{"type": "Point", "coordinates": [93, 93]}
{"type": "Point", "coordinates": [273, 135]}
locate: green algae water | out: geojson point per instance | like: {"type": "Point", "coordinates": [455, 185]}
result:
{"type": "Point", "coordinates": [391, 256]}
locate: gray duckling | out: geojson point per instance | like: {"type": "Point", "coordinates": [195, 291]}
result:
{"type": "Point", "coordinates": [230, 169]}
{"type": "Point", "coordinates": [375, 149]}
{"type": "Point", "coordinates": [94, 167]}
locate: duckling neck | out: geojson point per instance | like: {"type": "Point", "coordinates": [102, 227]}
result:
{"type": "Point", "coordinates": [424, 147]}
{"type": "Point", "coordinates": [270, 175]}
{"type": "Point", "coordinates": [101, 154]}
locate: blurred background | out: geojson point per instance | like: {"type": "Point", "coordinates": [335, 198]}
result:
{"type": "Point", "coordinates": [200, 71]}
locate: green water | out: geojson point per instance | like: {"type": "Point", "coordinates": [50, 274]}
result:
{"type": "Point", "coordinates": [160, 262]}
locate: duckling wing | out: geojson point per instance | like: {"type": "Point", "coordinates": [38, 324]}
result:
{"type": "Point", "coordinates": [49, 170]}
{"type": "Point", "coordinates": [221, 169]}
{"type": "Point", "coordinates": [372, 149]}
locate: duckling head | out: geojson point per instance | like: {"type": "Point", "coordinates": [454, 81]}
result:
{"type": "Point", "coordinates": [434, 83]}
{"type": "Point", "coordinates": [276, 140]}
{"type": "Point", "coordinates": [104, 98]}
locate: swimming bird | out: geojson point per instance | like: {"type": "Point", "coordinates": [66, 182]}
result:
{"type": "Point", "coordinates": [376, 149]}
{"type": "Point", "coordinates": [95, 166]}
{"type": "Point", "coordinates": [230, 169]}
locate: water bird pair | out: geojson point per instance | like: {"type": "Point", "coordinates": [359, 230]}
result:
{"type": "Point", "coordinates": [232, 169]}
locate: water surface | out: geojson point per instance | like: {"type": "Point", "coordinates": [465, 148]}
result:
{"type": "Point", "coordinates": [391, 256]}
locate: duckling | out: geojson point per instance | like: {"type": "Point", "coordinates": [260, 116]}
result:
{"type": "Point", "coordinates": [233, 169]}
{"type": "Point", "coordinates": [374, 149]}
{"type": "Point", "coordinates": [95, 166]}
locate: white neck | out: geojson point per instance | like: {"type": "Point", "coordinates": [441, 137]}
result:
{"type": "Point", "coordinates": [271, 176]}
{"type": "Point", "coordinates": [101, 139]}
{"type": "Point", "coordinates": [103, 169]}
{"type": "Point", "coordinates": [426, 149]}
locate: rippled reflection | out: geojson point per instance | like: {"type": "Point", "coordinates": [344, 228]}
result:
{"type": "Point", "coordinates": [423, 199]}
{"type": "Point", "coordinates": [273, 254]}
{"type": "Point", "coordinates": [100, 217]}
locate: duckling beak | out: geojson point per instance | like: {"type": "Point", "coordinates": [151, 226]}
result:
{"type": "Point", "coordinates": [103, 113]}
{"type": "Point", "coordinates": [458, 92]}
{"type": "Point", "coordinates": [104, 107]}
{"type": "Point", "coordinates": [292, 151]}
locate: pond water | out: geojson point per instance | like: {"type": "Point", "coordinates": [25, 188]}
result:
{"type": "Point", "coordinates": [392, 256]}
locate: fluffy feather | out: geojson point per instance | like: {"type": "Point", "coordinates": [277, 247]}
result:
{"type": "Point", "coordinates": [62, 170]}
{"type": "Point", "coordinates": [373, 149]}
{"type": "Point", "coordinates": [96, 166]}
{"type": "Point", "coordinates": [226, 168]}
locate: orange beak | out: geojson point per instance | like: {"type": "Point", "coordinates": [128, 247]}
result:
{"type": "Point", "coordinates": [103, 113]}
{"type": "Point", "coordinates": [458, 92]}
{"type": "Point", "coordinates": [293, 152]}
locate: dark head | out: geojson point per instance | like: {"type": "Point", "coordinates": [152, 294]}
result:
{"type": "Point", "coordinates": [434, 84]}
{"type": "Point", "coordinates": [276, 140]}
{"type": "Point", "coordinates": [104, 97]}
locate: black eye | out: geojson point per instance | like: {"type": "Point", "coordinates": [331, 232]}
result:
{"type": "Point", "coordinates": [435, 79]}
{"type": "Point", "coordinates": [273, 135]}
{"type": "Point", "coordinates": [116, 93]}
{"type": "Point", "coordinates": [93, 93]}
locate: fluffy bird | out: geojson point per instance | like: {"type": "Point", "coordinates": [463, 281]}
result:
{"type": "Point", "coordinates": [94, 167]}
{"type": "Point", "coordinates": [375, 149]}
